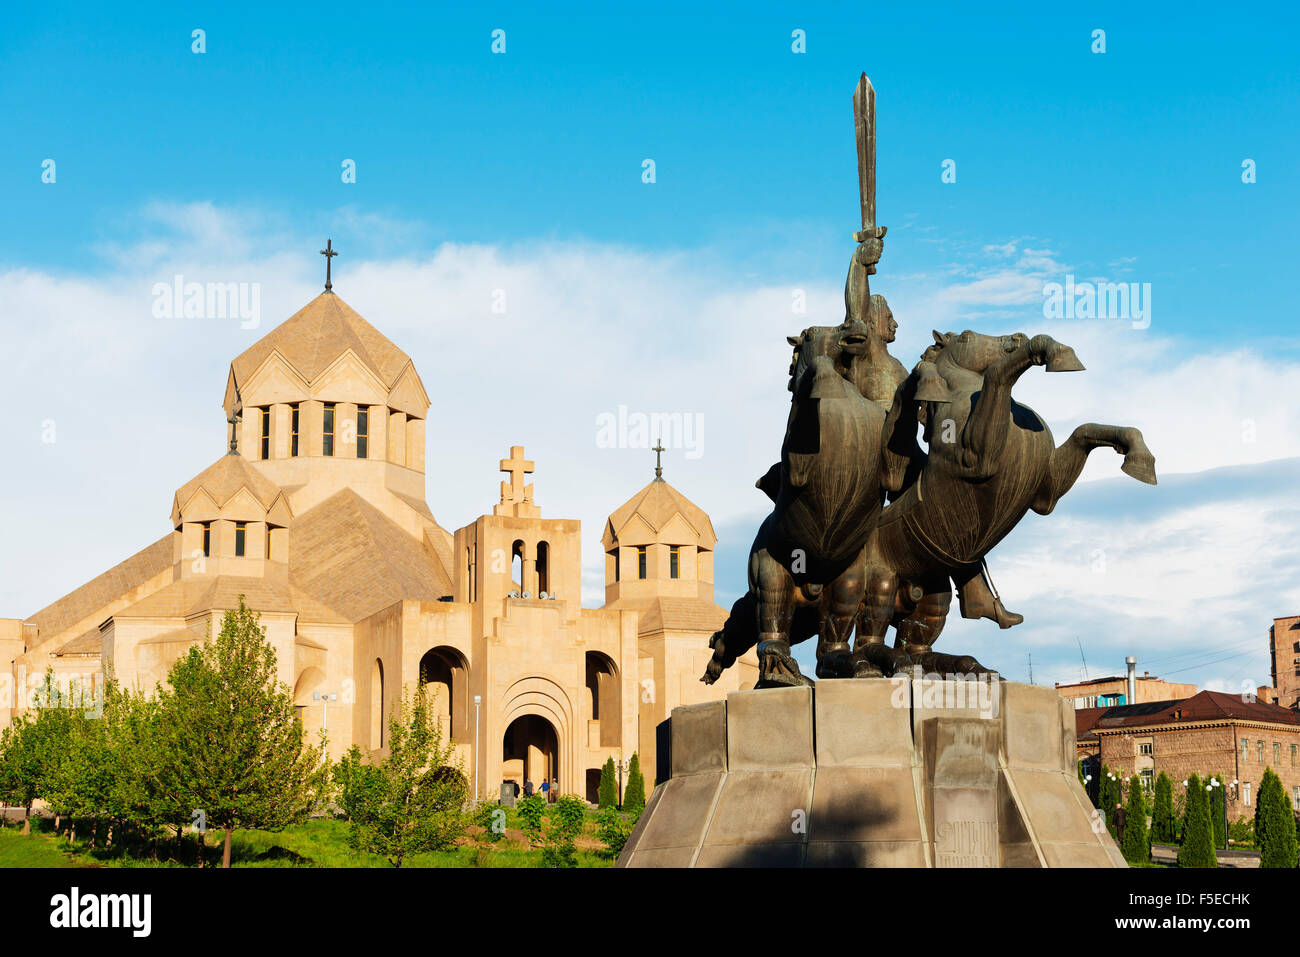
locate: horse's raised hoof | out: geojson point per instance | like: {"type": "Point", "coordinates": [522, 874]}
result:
{"type": "Point", "coordinates": [1141, 466]}
{"type": "Point", "coordinates": [1062, 359]}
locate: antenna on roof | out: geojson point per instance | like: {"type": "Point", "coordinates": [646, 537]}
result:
{"type": "Point", "coordinates": [1085, 660]}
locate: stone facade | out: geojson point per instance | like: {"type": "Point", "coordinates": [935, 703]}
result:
{"type": "Point", "coordinates": [320, 520]}
{"type": "Point", "coordinates": [1207, 734]}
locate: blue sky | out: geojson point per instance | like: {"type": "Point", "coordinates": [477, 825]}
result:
{"type": "Point", "coordinates": [477, 170]}
{"type": "Point", "coordinates": [1132, 153]}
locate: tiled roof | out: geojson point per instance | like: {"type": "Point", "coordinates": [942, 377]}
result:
{"type": "Point", "coordinates": [351, 556]}
{"type": "Point", "coordinates": [104, 589]}
{"type": "Point", "coordinates": [1205, 706]}
{"type": "Point", "coordinates": [225, 477]}
{"type": "Point", "coordinates": [272, 593]}
{"type": "Point", "coordinates": [319, 333]}
{"type": "Point", "coordinates": [657, 503]}
{"type": "Point", "coordinates": [674, 614]}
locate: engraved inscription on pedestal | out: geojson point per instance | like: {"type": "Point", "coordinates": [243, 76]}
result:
{"type": "Point", "coordinates": [964, 775]}
{"type": "Point", "coordinates": [966, 844]}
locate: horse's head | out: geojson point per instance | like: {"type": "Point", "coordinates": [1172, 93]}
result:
{"type": "Point", "coordinates": [973, 351]}
{"type": "Point", "coordinates": [840, 345]}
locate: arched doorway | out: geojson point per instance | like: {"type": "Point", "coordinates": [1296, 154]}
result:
{"type": "Point", "coordinates": [530, 751]}
{"type": "Point", "coordinates": [446, 671]}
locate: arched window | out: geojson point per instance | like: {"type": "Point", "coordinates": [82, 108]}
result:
{"type": "Point", "coordinates": [604, 698]}
{"type": "Point", "coordinates": [377, 705]}
{"type": "Point", "coordinates": [517, 564]}
{"type": "Point", "coordinates": [327, 436]}
{"type": "Point", "coordinates": [543, 568]}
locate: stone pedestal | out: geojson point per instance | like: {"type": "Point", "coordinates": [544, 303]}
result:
{"type": "Point", "coordinates": [884, 772]}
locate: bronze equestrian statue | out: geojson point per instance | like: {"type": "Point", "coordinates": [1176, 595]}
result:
{"type": "Point", "coordinates": [990, 461]}
{"type": "Point", "coordinates": [832, 555]}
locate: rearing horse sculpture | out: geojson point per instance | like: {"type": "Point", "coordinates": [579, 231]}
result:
{"type": "Point", "coordinates": [990, 461]}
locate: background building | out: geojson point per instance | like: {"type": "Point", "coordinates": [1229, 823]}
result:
{"type": "Point", "coordinates": [1209, 733]}
{"type": "Point", "coordinates": [1284, 649]}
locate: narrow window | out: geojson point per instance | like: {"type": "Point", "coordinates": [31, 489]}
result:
{"type": "Point", "coordinates": [266, 432]}
{"type": "Point", "coordinates": [207, 539]}
{"type": "Point", "coordinates": [327, 439]}
{"type": "Point", "coordinates": [363, 432]}
{"type": "Point", "coordinates": [640, 561]}
{"type": "Point", "coordinates": [672, 562]}
{"type": "Point", "coordinates": [1295, 798]}
{"type": "Point", "coordinates": [1245, 750]}
{"type": "Point", "coordinates": [267, 554]}
{"type": "Point", "coordinates": [615, 554]}
{"type": "Point", "coordinates": [1259, 752]}
{"type": "Point", "coordinates": [1293, 750]}
{"type": "Point", "coordinates": [1245, 793]}
{"type": "Point", "coordinates": [1277, 754]}
{"type": "Point", "coordinates": [293, 429]}
{"type": "Point", "coordinates": [241, 534]}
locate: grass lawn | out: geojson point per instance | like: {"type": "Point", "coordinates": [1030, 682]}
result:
{"type": "Point", "coordinates": [318, 843]}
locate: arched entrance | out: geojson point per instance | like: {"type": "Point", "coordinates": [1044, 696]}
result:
{"type": "Point", "coordinates": [446, 672]}
{"type": "Point", "coordinates": [530, 751]}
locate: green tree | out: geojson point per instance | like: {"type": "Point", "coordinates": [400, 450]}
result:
{"type": "Point", "coordinates": [608, 793]}
{"type": "Point", "coordinates": [414, 799]}
{"type": "Point", "coordinates": [20, 768]}
{"type": "Point", "coordinates": [1275, 828]}
{"type": "Point", "coordinates": [1197, 849]}
{"type": "Point", "coordinates": [565, 824]}
{"type": "Point", "coordinates": [135, 799]}
{"type": "Point", "coordinates": [634, 792]}
{"type": "Point", "coordinates": [233, 751]}
{"type": "Point", "coordinates": [355, 782]}
{"type": "Point", "coordinates": [1137, 841]}
{"type": "Point", "coordinates": [1164, 829]}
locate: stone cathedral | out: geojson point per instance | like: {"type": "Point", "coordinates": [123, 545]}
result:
{"type": "Point", "coordinates": [317, 515]}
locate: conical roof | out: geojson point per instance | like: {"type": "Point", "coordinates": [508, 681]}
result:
{"type": "Point", "coordinates": [656, 504]}
{"type": "Point", "coordinates": [319, 333]}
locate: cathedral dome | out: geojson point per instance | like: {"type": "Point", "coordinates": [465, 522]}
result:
{"type": "Point", "coordinates": [317, 334]}
{"type": "Point", "coordinates": [231, 489]}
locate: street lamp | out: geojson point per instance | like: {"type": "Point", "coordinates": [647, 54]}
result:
{"type": "Point", "coordinates": [325, 697]}
{"type": "Point", "coordinates": [622, 766]}
{"type": "Point", "coordinates": [478, 699]}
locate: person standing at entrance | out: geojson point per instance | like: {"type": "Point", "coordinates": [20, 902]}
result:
{"type": "Point", "coordinates": [546, 786]}
{"type": "Point", "coordinates": [528, 788]}
{"type": "Point", "coordinates": [555, 791]}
